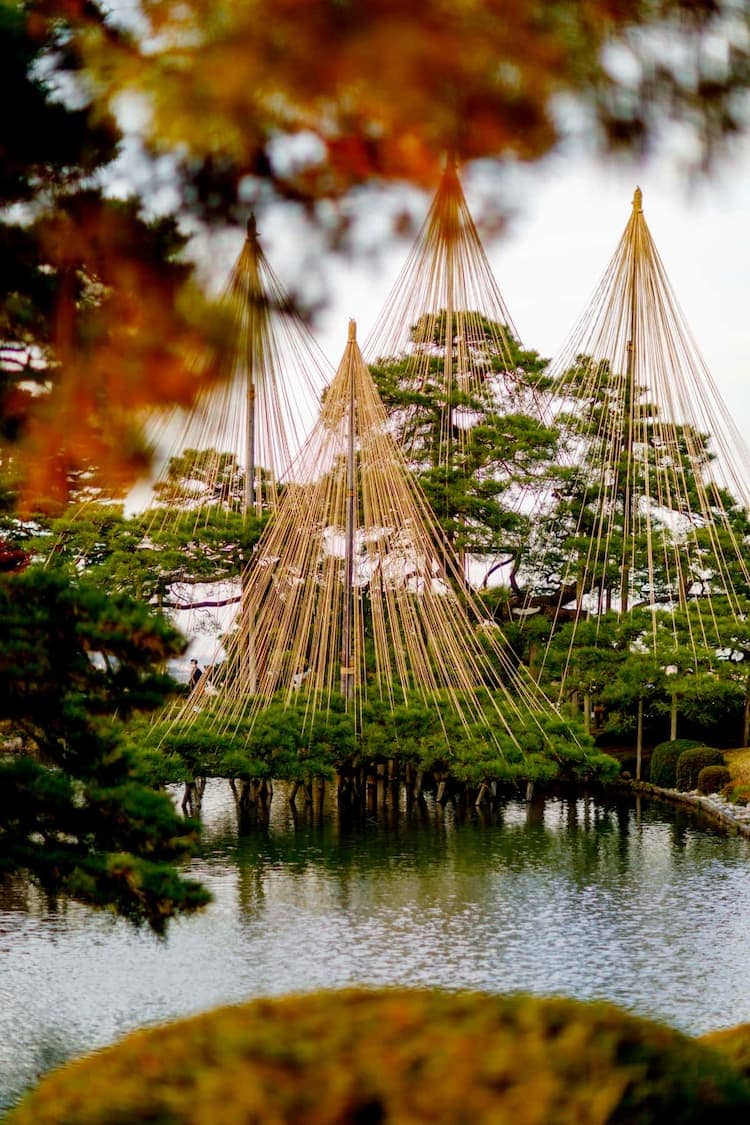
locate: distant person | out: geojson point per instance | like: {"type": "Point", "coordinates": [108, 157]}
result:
{"type": "Point", "coordinates": [195, 675]}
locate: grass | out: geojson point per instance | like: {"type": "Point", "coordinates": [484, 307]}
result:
{"type": "Point", "coordinates": [738, 763]}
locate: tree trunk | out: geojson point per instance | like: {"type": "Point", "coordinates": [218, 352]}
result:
{"type": "Point", "coordinates": [371, 791]}
{"type": "Point", "coordinates": [639, 740]}
{"type": "Point", "coordinates": [673, 717]}
{"type": "Point", "coordinates": [380, 773]}
{"type": "Point", "coordinates": [481, 795]}
{"type": "Point", "coordinates": [187, 798]}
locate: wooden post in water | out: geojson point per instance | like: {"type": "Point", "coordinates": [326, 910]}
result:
{"type": "Point", "coordinates": [381, 783]}
{"type": "Point", "coordinates": [372, 793]}
{"type": "Point", "coordinates": [319, 791]}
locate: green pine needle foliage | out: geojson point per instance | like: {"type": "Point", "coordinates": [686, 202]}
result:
{"type": "Point", "coordinates": [285, 743]}
{"type": "Point", "coordinates": [75, 813]}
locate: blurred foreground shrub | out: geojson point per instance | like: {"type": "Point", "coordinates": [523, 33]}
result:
{"type": "Point", "coordinates": [399, 1055]}
{"type": "Point", "coordinates": [734, 1042]}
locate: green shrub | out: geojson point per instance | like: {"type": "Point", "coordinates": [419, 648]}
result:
{"type": "Point", "coordinates": [664, 761]}
{"type": "Point", "coordinates": [713, 778]}
{"type": "Point", "coordinates": [691, 762]}
{"type": "Point", "coordinates": [398, 1055]}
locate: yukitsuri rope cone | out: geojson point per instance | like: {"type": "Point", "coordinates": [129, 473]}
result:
{"type": "Point", "coordinates": [240, 437]}
{"type": "Point", "coordinates": [347, 595]}
{"type": "Point", "coordinates": [447, 340]}
{"type": "Point", "coordinates": [654, 512]}
{"type": "Point", "coordinates": [224, 460]}
{"type": "Point", "coordinates": [446, 306]}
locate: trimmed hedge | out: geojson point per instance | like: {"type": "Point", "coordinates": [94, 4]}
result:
{"type": "Point", "coordinates": [398, 1055]}
{"type": "Point", "coordinates": [713, 778]}
{"type": "Point", "coordinates": [664, 758]}
{"type": "Point", "coordinates": [691, 762]}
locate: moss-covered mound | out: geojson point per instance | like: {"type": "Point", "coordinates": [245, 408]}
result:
{"type": "Point", "coordinates": [406, 1056]}
{"type": "Point", "coordinates": [734, 1043]}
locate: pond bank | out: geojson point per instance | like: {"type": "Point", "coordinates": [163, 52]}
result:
{"type": "Point", "coordinates": [732, 818]}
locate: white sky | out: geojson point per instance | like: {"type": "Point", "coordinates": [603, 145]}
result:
{"type": "Point", "coordinates": [566, 220]}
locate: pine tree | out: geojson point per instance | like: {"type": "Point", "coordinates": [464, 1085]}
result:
{"type": "Point", "coordinates": [88, 320]}
{"type": "Point", "coordinates": [74, 812]}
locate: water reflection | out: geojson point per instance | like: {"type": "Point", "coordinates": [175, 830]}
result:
{"type": "Point", "coordinates": [580, 897]}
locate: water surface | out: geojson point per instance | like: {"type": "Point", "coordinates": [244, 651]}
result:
{"type": "Point", "coordinates": [639, 904]}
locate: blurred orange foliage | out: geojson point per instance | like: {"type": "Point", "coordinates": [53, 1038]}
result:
{"type": "Point", "coordinates": [304, 101]}
{"type": "Point", "coordinates": [124, 326]}
{"type": "Point", "coordinates": [386, 86]}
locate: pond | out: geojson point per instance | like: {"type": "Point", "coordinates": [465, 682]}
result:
{"type": "Point", "coordinates": [633, 902]}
